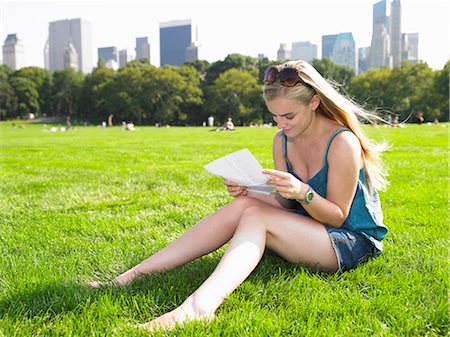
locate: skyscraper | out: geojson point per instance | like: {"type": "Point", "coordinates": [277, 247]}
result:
{"type": "Point", "coordinates": [283, 53]}
{"type": "Point", "coordinates": [142, 48]}
{"type": "Point", "coordinates": [174, 39]}
{"type": "Point", "coordinates": [107, 53]}
{"type": "Point", "coordinates": [123, 58]}
{"type": "Point", "coordinates": [363, 59]}
{"type": "Point", "coordinates": [75, 31]}
{"type": "Point", "coordinates": [380, 53]}
{"type": "Point", "coordinates": [327, 45]}
{"type": "Point", "coordinates": [70, 57]}
{"type": "Point", "coordinates": [344, 51]}
{"type": "Point", "coordinates": [46, 55]}
{"type": "Point", "coordinates": [109, 56]}
{"type": "Point", "coordinates": [304, 51]}
{"type": "Point", "coordinates": [396, 33]}
{"type": "Point", "coordinates": [192, 52]}
{"type": "Point", "coordinates": [13, 52]}
{"type": "Point", "coordinates": [410, 47]}
{"type": "Point", "coordinates": [340, 49]}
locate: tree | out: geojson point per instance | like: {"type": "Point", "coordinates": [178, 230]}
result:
{"type": "Point", "coordinates": [168, 90]}
{"type": "Point", "coordinates": [124, 97]}
{"type": "Point", "coordinates": [8, 99]}
{"type": "Point", "coordinates": [27, 96]}
{"type": "Point", "coordinates": [235, 94]}
{"type": "Point", "coordinates": [94, 92]}
{"type": "Point", "coordinates": [441, 89]}
{"type": "Point", "coordinates": [32, 87]}
{"type": "Point", "coordinates": [337, 73]}
{"type": "Point", "coordinates": [66, 89]}
{"type": "Point", "coordinates": [236, 61]}
{"type": "Point", "coordinates": [369, 89]}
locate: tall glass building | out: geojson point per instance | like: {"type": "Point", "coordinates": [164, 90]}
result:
{"type": "Point", "coordinates": [175, 38]}
{"type": "Point", "coordinates": [61, 34]}
{"type": "Point", "coordinates": [380, 47]}
{"type": "Point", "coordinates": [341, 49]}
{"type": "Point", "coordinates": [344, 51]}
{"type": "Point", "coordinates": [327, 45]}
{"type": "Point", "coordinates": [396, 33]}
{"type": "Point", "coordinates": [142, 48]}
{"type": "Point", "coordinates": [107, 53]}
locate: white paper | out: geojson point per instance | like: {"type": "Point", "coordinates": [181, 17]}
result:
{"type": "Point", "coordinates": [243, 168]}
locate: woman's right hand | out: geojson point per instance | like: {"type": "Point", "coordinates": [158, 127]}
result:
{"type": "Point", "coordinates": [234, 189]}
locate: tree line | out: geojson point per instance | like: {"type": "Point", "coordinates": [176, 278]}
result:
{"type": "Point", "coordinates": [188, 94]}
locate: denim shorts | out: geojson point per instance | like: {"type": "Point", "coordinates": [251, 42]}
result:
{"type": "Point", "coordinates": [351, 248]}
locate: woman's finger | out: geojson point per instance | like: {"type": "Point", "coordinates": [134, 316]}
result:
{"type": "Point", "coordinates": [277, 174]}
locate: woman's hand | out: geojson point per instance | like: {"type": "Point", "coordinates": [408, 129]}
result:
{"type": "Point", "coordinates": [234, 189]}
{"type": "Point", "coordinates": [286, 184]}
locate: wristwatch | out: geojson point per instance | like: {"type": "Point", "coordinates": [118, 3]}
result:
{"type": "Point", "coordinates": [308, 197]}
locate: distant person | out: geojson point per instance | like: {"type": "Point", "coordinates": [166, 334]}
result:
{"type": "Point", "coordinates": [395, 123]}
{"type": "Point", "coordinates": [130, 126]}
{"type": "Point", "coordinates": [229, 125]}
{"type": "Point", "coordinates": [325, 213]}
{"type": "Point", "coordinates": [389, 120]}
{"type": "Point", "coordinates": [68, 123]}
{"type": "Point", "coordinates": [419, 117]}
{"type": "Point", "coordinates": [110, 120]}
{"type": "Point", "coordinates": [210, 121]}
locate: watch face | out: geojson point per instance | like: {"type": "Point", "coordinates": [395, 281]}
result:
{"type": "Point", "coordinates": [309, 196]}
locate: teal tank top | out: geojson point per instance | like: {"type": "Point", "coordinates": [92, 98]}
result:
{"type": "Point", "coordinates": [365, 216]}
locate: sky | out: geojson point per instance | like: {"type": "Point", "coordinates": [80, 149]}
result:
{"type": "Point", "coordinates": [248, 27]}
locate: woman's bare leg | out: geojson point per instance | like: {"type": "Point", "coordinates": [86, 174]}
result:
{"type": "Point", "coordinates": [296, 238]}
{"type": "Point", "coordinates": [206, 236]}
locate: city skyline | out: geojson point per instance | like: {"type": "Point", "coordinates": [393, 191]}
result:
{"type": "Point", "coordinates": [248, 27]}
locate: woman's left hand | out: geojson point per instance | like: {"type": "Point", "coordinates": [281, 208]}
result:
{"type": "Point", "coordinates": [286, 184]}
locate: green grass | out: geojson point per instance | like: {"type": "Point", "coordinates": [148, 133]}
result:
{"type": "Point", "coordinates": [92, 202]}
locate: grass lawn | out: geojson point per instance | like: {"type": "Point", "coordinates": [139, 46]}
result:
{"type": "Point", "coordinates": [91, 202]}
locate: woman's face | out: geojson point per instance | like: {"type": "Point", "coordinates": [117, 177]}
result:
{"type": "Point", "coordinates": [290, 115]}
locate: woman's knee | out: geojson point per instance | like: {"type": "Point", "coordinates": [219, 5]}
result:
{"type": "Point", "coordinates": [256, 213]}
{"type": "Point", "coordinates": [246, 202]}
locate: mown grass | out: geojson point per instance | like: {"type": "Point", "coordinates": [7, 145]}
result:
{"type": "Point", "coordinates": [90, 203]}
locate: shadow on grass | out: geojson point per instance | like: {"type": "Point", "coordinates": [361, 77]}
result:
{"type": "Point", "coordinates": [155, 293]}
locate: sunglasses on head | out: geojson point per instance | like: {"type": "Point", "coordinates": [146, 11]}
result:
{"type": "Point", "coordinates": [289, 77]}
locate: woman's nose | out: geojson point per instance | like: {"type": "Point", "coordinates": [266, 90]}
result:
{"type": "Point", "coordinates": [280, 123]}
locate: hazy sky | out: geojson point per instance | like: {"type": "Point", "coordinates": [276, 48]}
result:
{"type": "Point", "coordinates": [248, 27]}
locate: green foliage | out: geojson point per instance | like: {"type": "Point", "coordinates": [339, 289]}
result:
{"type": "Point", "coordinates": [187, 95]}
{"type": "Point", "coordinates": [91, 203]}
{"type": "Point", "coordinates": [66, 91]}
{"type": "Point", "coordinates": [232, 61]}
{"type": "Point", "coordinates": [235, 94]}
{"type": "Point", "coordinates": [404, 90]}
{"type": "Point", "coordinates": [336, 73]}
{"type": "Point", "coordinates": [94, 94]}
{"type": "Point", "coordinates": [8, 98]}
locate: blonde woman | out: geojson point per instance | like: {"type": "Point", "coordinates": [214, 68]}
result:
{"type": "Point", "coordinates": [324, 214]}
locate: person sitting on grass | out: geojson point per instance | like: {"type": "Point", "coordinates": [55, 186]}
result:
{"type": "Point", "coordinates": [325, 213]}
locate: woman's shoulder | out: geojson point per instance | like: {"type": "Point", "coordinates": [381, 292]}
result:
{"type": "Point", "coordinates": [345, 137]}
{"type": "Point", "coordinates": [345, 142]}
{"type": "Point", "coordinates": [277, 138]}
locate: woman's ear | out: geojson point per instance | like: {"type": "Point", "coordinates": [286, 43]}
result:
{"type": "Point", "coordinates": [315, 101]}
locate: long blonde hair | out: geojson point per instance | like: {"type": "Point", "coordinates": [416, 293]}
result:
{"type": "Point", "coordinates": [339, 108]}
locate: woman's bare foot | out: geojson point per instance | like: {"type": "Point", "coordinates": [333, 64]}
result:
{"type": "Point", "coordinates": [100, 284]}
{"type": "Point", "coordinates": [120, 280]}
{"type": "Point", "coordinates": [184, 313]}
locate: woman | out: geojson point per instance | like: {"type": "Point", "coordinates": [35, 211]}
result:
{"type": "Point", "coordinates": [325, 213]}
